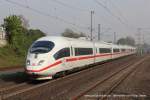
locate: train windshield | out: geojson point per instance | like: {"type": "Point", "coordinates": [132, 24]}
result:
{"type": "Point", "coordinates": [42, 47]}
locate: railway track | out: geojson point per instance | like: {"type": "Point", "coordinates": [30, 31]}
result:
{"type": "Point", "coordinates": [121, 75]}
{"type": "Point", "coordinates": [13, 90]}
{"type": "Point", "coordinates": [19, 90]}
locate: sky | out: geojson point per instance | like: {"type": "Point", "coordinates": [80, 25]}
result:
{"type": "Point", "coordinates": [124, 17]}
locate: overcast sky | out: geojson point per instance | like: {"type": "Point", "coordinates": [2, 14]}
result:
{"type": "Point", "coordinates": [53, 16]}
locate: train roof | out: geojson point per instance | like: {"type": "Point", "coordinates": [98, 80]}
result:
{"type": "Point", "coordinates": [58, 38]}
{"type": "Point", "coordinates": [64, 40]}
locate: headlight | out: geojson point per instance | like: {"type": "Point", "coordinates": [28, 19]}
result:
{"type": "Point", "coordinates": [40, 62]}
{"type": "Point", "coordinates": [28, 62]}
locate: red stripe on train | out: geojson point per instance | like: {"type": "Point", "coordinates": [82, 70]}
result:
{"type": "Point", "coordinates": [52, 65]}
{"type": "Point", "coordinates": [71, 59]}
{"type": "Point", "coordinates": [86, 57]}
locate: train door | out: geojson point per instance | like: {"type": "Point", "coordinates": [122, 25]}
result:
{"type": "Point", "coordinates": [76, 62]}
{"type": "Point", "coordinates": [68, 60]}
{"type": "Point", "coordinates": [94, 52]}
{"type": "Point", "coordinates": [97, 59]}
{"type": "Point", "coordinates": [64, 63]}
{"type": "Point", "coordinates": [111, 52]}
{"type": "Point", "coordinates": [72, 57]}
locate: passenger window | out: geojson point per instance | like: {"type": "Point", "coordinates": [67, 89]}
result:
{"type": "Point", "coordinates": [65, 52]}
{"type": "Point", "coordinates": [83, 51]}
{"type": "Point", "coordinates": [104, 50]}
{"type": "Point", "coordinates": [116, 50]}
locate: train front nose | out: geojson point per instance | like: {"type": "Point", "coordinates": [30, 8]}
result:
{"type": "Point", "coordinates": [38, 57]}
{"type": "Point", "coordinates": [35, 65]}
{"type": "Point", "coordinates": [36, 70]}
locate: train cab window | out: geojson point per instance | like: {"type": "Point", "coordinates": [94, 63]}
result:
{"type": "Point", "coordinates": [83, 51]}
{"type": "Point", "coordinates": [116, 50]}
{"type": "Point", "coordinates": [42, 47]}
{"type": "Point", "coordinates": [104, 50]}
{"type": "Point", "coordinates": [65, 52]}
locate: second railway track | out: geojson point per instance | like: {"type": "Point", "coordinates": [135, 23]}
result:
{"type": "Point", "coordinates": [114, 80]}
{"type": "Point", "coordinates": [24, 91]}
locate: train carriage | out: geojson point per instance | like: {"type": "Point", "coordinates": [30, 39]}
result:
{"type": "Point", "coordinates": [53, 54]}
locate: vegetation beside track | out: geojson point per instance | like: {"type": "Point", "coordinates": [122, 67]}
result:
{"type": "Point", "coordinates": [9, 58]}
{"type": "Point", "coordinates": [19, 37]}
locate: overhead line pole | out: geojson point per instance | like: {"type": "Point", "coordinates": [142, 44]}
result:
{"type": "Point", "coordinates": [99, 31]}
{"type": "Point", "coordinates": [114, 37]}
{"type": "Point", "coordinates": [92, 12]}
{"type": "Point", "coordinates": [140, 42]}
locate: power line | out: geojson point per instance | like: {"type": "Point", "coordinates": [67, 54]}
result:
{"type": "Point", "coordinates": [141, 33]}
{"type": "Point", "coordinates": [118, 11]}
{"type": "Point", "coordinates": [26, 3]}
{"type": "Point", "coordinates": [69, 6]}
{"type": "Point", "coordinates": [73, 7]}
{"type": "Point", "coordinates": [45, 14]}
{"type": "Point", "coordinates": [109, 11]}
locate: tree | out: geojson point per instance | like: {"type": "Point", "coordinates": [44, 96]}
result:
{"type": "Point", "coordinates": [121, 41]}
{"type": "Point", "coordinates": [34, 34]}
{"type": "Point", "coordinates": [72, 34]}
{"type": "Point", "coordinates": [126, 41]}
{"type": "Point", "coordinates": [13, 26]}
{"type": "Point", "coordinates": [130, 41]}
{"type": "Point", "coordinates": [18, 36]}
{"type": "Point", "coordinates": [14, 33]}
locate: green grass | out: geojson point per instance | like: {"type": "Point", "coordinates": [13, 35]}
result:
{"type": "Point", "coordinates": [8, 58]}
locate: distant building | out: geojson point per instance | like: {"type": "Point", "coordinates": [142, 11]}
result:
{"type": "Point", "coordinates": [2, 37]}
{"type": "Point", "coordinates": [2, 33]}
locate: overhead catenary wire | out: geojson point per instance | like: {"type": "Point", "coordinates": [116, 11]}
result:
{"type": "Point", "coordinates": [76, 26]}
{"type": "Point", "coordinates": [45, 14]}
{"type": "Point", "coordinates": [116, 8]}
{"type": "Point", "coordinates": [26, 1]}
{"type": "Point", "coordinates": [75, 8]}
{"type": "Point", "coordinates": [70, 6]}
{"type": "Point", "coordinates": [111, 13]}
{"type": "Point", "coordinates": [118, 11]}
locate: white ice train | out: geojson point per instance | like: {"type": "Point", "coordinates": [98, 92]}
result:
{"type": "Point", "coordinates": [52, 54]}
